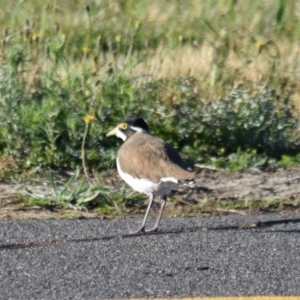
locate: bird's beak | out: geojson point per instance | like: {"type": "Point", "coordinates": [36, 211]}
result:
{"type": "Point", "coordinates": [113, 132]}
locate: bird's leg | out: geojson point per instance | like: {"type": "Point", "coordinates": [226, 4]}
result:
{"type": "Point", "coordinates": [162, 206]}
{"type": "Point", "coordinates": [142, 227]}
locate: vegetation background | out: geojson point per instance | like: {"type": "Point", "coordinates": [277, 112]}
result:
{"type": "Point", "coordinates": [217, 79]}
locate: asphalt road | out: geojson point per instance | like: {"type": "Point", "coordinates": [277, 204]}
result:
{"type": "Point", "coordinates": [97, 259]}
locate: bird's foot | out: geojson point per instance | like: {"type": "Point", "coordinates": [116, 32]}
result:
{"type": "Point", "coordinates": [141, 230]}
{"type": "Point", "coordinates": [154, 229]}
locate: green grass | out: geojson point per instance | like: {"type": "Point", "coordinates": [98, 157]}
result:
{"type": "Point", "coordinates": [218, 79]}
{"type": "Point", "coordinates": [75, 194]}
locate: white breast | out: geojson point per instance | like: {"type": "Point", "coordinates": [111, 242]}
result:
{"type": "Point", "coordinates": [164, 187]}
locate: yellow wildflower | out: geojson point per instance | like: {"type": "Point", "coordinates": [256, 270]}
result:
{"type": "Point", "coordinates": [118, 38]}
{"type": "Point", "coordinates": [63, 36]}
{"type": "Point", "coordinates": [137, 24]}
{"type": "Point", "coordinates": [88, 119]}
{"type": "Point", "coordinates": [86, 50]}
{"type": "Point", "coordinates": [260, 45]}
{"type": "Point", "coordinates": [35, 37]}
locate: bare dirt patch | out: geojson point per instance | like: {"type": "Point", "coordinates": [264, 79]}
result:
{"type": "Point", "coordinates": [277, 185]}
{"type": "Point", "coordinates": [211, 190]}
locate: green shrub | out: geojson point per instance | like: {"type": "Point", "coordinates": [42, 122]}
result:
{"type": "Point", "coordinates": [262, 121]}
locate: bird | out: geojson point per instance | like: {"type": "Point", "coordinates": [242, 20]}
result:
{"type": "Point", "coordinates": [149, 165]}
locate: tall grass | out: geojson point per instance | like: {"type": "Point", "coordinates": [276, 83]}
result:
{"type": "Point", "coordinates": [213, 78]}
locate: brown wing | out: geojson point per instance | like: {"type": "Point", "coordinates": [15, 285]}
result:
{"type": "Point", "coordinates": [146, 156]}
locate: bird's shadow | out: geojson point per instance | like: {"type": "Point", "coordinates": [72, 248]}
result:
{"type": "Point", "coordinates": [243, 226]}
{"type": "Point", "coordinates": [181, 230]}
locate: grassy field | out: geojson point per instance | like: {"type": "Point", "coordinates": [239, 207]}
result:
{"type": "Point", "coordinates": [217, 79]}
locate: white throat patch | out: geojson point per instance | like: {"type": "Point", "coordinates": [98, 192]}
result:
{"type": "Point", "coordinates": [121, 135]}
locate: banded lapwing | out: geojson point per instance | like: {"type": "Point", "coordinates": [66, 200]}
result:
{"type": "Point", "coordinates": [148, 164]}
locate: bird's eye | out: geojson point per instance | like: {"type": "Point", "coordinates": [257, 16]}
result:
{"type": "Point", "coordinates": [123, 126]}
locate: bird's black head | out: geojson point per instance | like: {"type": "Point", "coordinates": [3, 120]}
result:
{"type": "Point", "coordinates": [127, 128]}
{"type": "Point", "coordinates": [137, 123]}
